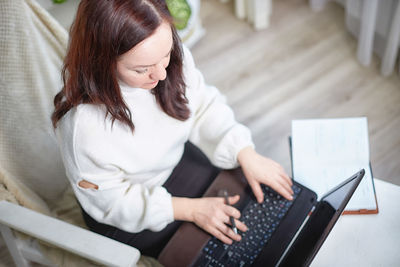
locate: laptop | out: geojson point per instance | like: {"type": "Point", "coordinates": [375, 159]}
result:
{"type": "Point", "coordinates": [281, 232]}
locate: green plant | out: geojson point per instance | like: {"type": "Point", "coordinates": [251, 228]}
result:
{"type": "Point", "coordinates": [180, 11]}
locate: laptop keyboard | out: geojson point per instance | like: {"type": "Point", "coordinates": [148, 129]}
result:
{"type": "Point", "coordinates": [261, 220]}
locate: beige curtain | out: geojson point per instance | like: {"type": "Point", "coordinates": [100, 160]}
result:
{"type": "Point", "coordinates": [376, 25]}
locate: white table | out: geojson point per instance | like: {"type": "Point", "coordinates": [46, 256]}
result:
{"type": "Point", "coordinates": [366, 240]}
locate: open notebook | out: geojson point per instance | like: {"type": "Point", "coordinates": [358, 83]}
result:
{"type": "Point", "coordinates": [326, 150]}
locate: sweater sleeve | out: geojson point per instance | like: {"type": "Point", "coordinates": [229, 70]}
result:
{"type": "Point", "coordinates": [129, 205]}
{"type": "Point", "coordinates": [215, 129]}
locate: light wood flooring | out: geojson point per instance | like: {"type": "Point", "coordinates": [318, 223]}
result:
{"type": "Point", "coordinates": [303, 66]}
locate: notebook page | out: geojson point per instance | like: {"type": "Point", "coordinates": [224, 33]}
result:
{"type": "Point", "coordinates": [325, 152]}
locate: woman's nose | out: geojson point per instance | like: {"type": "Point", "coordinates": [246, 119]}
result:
{"type": "Point", "coordinates": [159, 73]}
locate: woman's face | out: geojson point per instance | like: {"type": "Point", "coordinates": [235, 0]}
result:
{"type": "Point", "coordinates": [145, 64]}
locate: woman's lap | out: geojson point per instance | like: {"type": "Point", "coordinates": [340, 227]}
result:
{"type": "Point", "coordinates": [190, 178]}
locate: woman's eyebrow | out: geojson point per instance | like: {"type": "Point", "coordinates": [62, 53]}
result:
{"type": "Point", "coordinates": [146, 66]}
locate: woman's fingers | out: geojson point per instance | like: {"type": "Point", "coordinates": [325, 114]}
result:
{"type": "Point", "coordinates": [280, 182]}
{"type": "Point", "coordinates": [233, 199]}
{"type": "Point", "coordinates": [224, 225]}
{"type": "Point", "coordinates": [258, 193]}
{"type": "Point", "coordinates": [241, 226]}
{"type": "Point", "coordinates": [284, 186]}
{"type": "Point", "coordinates": [219, 235]}
{"type": "Point", "coordinates": [286, 177]}
{"type": "Point", "coordinates": [227, 231]}
{"type": "Point", "coordinates": [287, 186]}
{"type": "Point", "coordinates": [283, 190]}
{"type": "Point", "coordinates": [215, 216]}
{"type": "Point", "coordinates": [278, 185]}
{"type": "Point", "coordinates": [223, 232]}
{"type": "Point", "coordinates": [235, 214]}
{"type": "Point", "coordinates": [229, 209]}
{"type": "Point", "coordinates": [262, 170]}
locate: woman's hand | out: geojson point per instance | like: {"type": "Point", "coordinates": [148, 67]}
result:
{"type": "Point", "coordinates": [210, 214]}
{"type": "Point", "coordinates": [259, 169]}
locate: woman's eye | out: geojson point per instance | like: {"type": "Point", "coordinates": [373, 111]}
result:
{"type": "Point", "coordinates": [141, 71]}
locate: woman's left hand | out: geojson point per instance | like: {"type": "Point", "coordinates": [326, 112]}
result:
{"type": "Point", "coordinates": [259, 169]}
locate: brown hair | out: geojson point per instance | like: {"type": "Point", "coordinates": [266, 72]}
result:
{"type": "Point", "coordinates": [102, 31]}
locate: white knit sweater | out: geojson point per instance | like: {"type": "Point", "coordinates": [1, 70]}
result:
{"type": "Point", "coordinates": [130, 168]}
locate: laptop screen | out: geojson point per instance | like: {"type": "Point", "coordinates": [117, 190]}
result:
{"type": "Point", "coordinates": [320, 223]}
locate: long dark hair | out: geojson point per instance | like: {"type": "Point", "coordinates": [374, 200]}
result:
{"type": "Point", "coordinates": [102, 31]}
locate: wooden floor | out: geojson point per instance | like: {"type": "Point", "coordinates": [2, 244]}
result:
{"type": "Point", "coordinates": [303, 66]}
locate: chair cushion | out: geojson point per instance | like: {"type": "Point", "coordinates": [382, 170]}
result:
{"type": "Point", "coordinates": [32, 47]}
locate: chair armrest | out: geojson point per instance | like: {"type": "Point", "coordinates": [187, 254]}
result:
{"type": "Point", "coordinates": [69, 237]}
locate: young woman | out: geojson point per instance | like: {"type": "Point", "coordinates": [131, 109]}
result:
{"type": "Point", "coordinates": [131, 101]}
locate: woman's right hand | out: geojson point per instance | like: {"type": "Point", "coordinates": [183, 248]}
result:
{"type": "Point", "coordinates": [210, 214]}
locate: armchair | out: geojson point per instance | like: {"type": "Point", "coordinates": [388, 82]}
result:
{"type": "Point", "coordinates": [35, 196]}
{"type": "Point", "coordinates": [55, 232]}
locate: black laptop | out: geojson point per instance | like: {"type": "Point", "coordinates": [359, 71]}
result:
{"type": "Point", "coordinates": [281, 232]}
